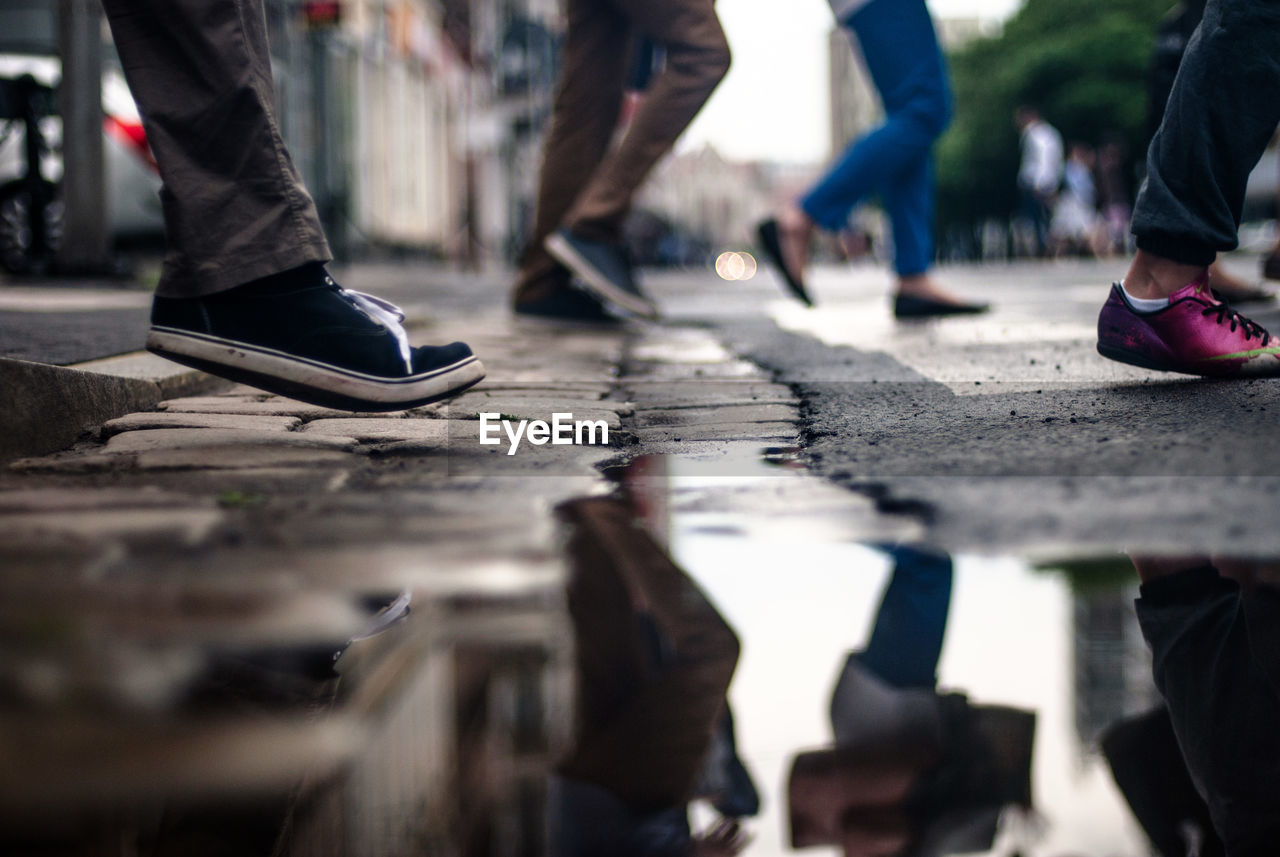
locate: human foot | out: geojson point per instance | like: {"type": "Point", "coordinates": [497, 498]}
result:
{"type": "Point", "coordinates": [919, 297]}
{"type": "Point", "coordinates": [1194, 333]}
{"type": "Point", "coordinates": [300, 334]}
{"type": "Point", "coordinates": [785, 242]}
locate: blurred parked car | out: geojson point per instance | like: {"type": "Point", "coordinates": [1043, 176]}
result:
{"type": "Point", "coordinates": [28, 47]}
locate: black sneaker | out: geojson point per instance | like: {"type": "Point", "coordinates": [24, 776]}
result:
{"type": "Point", "coordinates": [299, 334]}
{"type": "Point", "coordinates": [567, 305]}
{"type": "Point", "coordinates": [604, 269]}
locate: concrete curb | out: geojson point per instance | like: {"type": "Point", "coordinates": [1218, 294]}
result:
{"type": "Point", "coordinates": [48, 407]}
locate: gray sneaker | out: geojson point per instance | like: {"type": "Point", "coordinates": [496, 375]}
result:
{"type": "Point", "coordinates": [603, 268]}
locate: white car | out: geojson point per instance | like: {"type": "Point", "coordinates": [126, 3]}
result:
{"type": "Point", "coordinates": [133, 183]}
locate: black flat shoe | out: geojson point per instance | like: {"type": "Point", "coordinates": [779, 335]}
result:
{"type": "Point", "coordinates": [767, 232]}
{"type": "Point", "coordinates": [910, 306]}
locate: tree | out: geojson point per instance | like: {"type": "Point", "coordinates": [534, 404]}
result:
{"type": "Point", "coordinates": [1084, 63]}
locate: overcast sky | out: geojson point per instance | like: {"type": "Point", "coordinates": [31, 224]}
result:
{"type": "Point", "coordinates": [773, 104]}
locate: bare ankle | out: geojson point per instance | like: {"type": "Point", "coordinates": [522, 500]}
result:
{"type": "Point", "coordinates": [1151, 277]}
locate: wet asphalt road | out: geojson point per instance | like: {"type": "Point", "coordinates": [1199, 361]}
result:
{"type": "Point", "coordinates": [1007, 432]}
{"type": "Point", "coordinates": [1002, 433]}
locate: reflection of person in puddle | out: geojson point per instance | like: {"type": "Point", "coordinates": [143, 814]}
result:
{"type": "Point", "coordinates": [1214, 632]}
{"type": "Point", "coordinates": [913, 772]}
{"type": "Point", "coordinates": [654, 661]}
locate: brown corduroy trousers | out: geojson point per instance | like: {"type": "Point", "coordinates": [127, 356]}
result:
{"type": "Point", "coordinates": [585, 185]}
{"type": "Point", "coordinates": [235, 208]}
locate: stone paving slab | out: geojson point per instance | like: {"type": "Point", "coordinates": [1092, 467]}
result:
{"type": "Point", "coordinates": [470, 405]}
{"type": "Point", "coordinates": [222, 457]}
{"type": "Point", "coordinates": [578, 390]}
{"type": "Point", "coordinates": [60, 499]}
{"type": "Point", "coordinates": [666, 395]}
{"type": "Point", "coordinates": [189, 420]}
{"type": "Point", "coordinates": [778, 431]}
{"type": "Point", "coordinates": [680, 347]}
{"type": "Point", "coordinates": [201, 439]}
{"type": "Point", "coordinates": [185, 526]}
{"type": "Point", "coordinates": [430, 432]}
{"type": "Point", "coordinates": [172, 379]}
{"type": "Point", "coordinates": [667, 372]}
{"type": "Point", "coordinates": [719, 414]}
{"type": "Point", "coordinates": [249, 405]}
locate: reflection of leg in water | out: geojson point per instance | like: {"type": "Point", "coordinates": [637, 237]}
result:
{"type": "Point", "coordinates": [888, 687]}
{"type": "Point", "coordinates": [1216, 661]}
{"type": "Point", "coordinates": [1151, 773]}
{"type": "Point", "coordinates": [725, 781]}
{"type": "Point", "coordinates": [912, 771]}
{"type": "Point", "coordinates": [655, 660]}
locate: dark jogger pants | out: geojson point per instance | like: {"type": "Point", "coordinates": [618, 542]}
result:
{"type": "Point", "coordinates": [1222, 112]}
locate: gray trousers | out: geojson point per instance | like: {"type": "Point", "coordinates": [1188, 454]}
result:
{"type": "Point", "coordinates": [235, 208]}
{"type": "Point", "coordinates": [1222, 112]}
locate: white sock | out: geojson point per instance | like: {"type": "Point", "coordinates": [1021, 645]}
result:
{"type": "Point", "coordinates": [1144, 304]}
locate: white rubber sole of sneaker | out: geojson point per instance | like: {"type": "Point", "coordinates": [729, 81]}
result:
{"type": "Point", "coordinates": [596, 281]}
{"type": "Point", "coordinates": [309, 380]}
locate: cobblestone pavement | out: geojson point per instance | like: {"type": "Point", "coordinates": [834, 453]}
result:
{"type": "Point", "coordinates": [177, 581]}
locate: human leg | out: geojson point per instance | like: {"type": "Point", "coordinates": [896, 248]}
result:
{"type": "Point", "coordinates": [697, 58]}
{"type": "Point", "coordinates": [1214, 655]}
{"type": "Point", "coordinates": [909, 202]}
{"type": "Point", "coordinates": [244, 293]}
{"type": "Point", "coordinates": [1219, 117]}
{"type": "Point", "coordinates": [235, 207]}
{"type": "Point", "coordinates": [655, 660]}
{"type": "Point", "coordinates": [888, 688]}
{"type": "Point", "coordinates": [901, 52]}
{"type": "Point", "coordinates": [906, 641]}
{"type": "Point", "coordinates": [584, 117]}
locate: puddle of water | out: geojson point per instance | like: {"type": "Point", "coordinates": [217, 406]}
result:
{"type": "Point", "coordinates": [1015, 636]}
{"type": "Point", "coordinates": [458, 702]}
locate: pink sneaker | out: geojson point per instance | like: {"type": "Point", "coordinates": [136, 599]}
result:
{"type": "Point", "coordinates": [1196, 334]}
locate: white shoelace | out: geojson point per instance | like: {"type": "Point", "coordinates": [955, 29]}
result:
{"type": "Point", "coordinates": [389, 316]}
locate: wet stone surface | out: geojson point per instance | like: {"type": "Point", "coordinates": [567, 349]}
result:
{"type": "Point", "coordinates": [177, 584]}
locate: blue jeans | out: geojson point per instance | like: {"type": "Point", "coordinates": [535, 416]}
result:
{"type": "Point", "coordinates": [895, 160]}
{"type": "Point", "coordinates": [906, 641]}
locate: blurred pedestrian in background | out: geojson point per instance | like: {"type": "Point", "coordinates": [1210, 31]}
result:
{"type": "Point", "coordinates": [894, 161]}
{"type": "Point", "coordinates": [1075, 228]}
{"type": "Point", "coordinates": [1271, 262]}
{"type": "Point", "coordinates": [586, 185]}
{"type": "Point", "coordinates": [244, 293]}
{"type": "Point", "coordinates": [1221, 113]}
{"type": "Point", "coordinates": [1115, 205]}
{"type": "Point", "coordinates": [1039, 176]}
